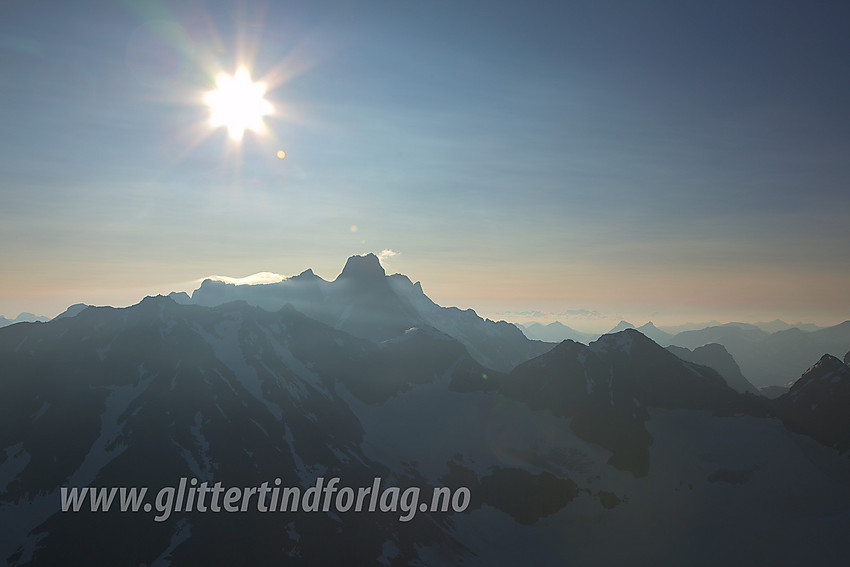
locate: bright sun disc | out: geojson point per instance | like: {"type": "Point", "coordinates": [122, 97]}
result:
{"type": "Point", "coordinates": [238, 104]}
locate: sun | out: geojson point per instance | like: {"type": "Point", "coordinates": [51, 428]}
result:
{"type": "Point", "coordinates": [238, 104]}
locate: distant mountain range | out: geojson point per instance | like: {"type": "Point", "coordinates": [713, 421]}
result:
{"type": "Point", "coordinates": [616, 451]}
{"type": "Point", "coordinates": [771, 359]}
{"type": "Point", "coordinates": [367, 303]}
{"type": "Point", "coordinates": [717, 357]}
{"type": "Point", "coordinates": [768, 360]}
{"type": "Point", "coordinates": [555, 333]}
{"type": "Point", "coordinates": [22, 318]}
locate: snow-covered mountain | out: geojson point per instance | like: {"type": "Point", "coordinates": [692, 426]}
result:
{"type": "Point", "coordinates": [616, 441]}
{"type": "Point", "coordinates": [146, 395]}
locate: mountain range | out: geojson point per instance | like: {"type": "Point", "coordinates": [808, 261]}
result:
{"type": "Point", "coordinates": [585, 454]}
{"type": "Point", "coordinates": [22, 318]}
{"type": "Point", "coordinates": [769, 361]}
{"type": "Point", "coordinates": [367, 303]}
{"type": "Point", "coordinates": [555, 333]}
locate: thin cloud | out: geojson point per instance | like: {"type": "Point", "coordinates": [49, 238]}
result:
{"type": "Point", "coordinates": [386, 254]}
{"type": "Point", "coordinates": [255, 279]}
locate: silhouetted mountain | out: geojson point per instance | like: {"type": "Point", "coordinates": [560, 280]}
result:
{"type": "Point", "coordinates": [22, 318]}
{"type": "Point", "coordinates": [655, 334]}
{"type": "Point", "coordinates": [676, 329]}
{"type": "Point", "coordinates": [770, 359]}
{"type": "Point", "coordinates": [621, 326]}
{"type": "Point", "coordinates": [180, 297]}
{"type": "Point", "coordinates": [746, 326]}
{"type": "Point", "coordinates": [499, 345]}
{"type": "Point", "coordinates": [72, 311]}
{"type": "Point", "coordinates": [607, 386]}
{"type": "Point", "coordinates": [555, 333]}
{"type": "Point", "coordinates": [367, 303]}
{"type": "Point", "coordinates": [722, 334]}
{"type": "Point", "coordinates": [359, 301]}
{"type": "Point", "coordinates": [780, 325]}
{"type": "Point", "coordinates": [717, 357]}
{"type": "Point", "coordinates": [817, 403]}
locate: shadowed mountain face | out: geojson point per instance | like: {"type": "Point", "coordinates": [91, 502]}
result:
{"type": "Point", "coordinates": [621, 326]}
{"type": "Point", "coordinates": [817, 404]}
{"type": "Point", "coordinates": [606, 388]}
{"type": "Point", "coordinates": [367, 303]}
{"type": "Point", "coordinates": [22, 318]}
{"type": "Point", "coordinates": [656, 334]}
{"type": "Point", "coordinates": [770, 359]}
{"type": "Point", "coordinates": [152, 393]}
{"type": "Point", "coordinates": [359, 301]}
{"type": "Point", "coordinates": [584, 445]}
{"type": "Point", "coordinates": [717, 357]}
{"type": "Point", "coordinates": [556, 332]}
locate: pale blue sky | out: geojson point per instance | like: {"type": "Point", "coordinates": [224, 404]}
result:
{"type": "Point", "coordinates": [638, 158]}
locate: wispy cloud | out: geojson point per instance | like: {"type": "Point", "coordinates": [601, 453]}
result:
{"type": "Point", "coordinates": [255, 279]}
{"type": "Point", "coordinates": [386, 254]}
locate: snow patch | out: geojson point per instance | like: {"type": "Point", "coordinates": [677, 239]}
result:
{"type": "Point", "coordinates": [107, 446]}
{"type": "Point", "coordinates": [486, 429]}
{"type": "Point", "coordinates": [389, 551]}
{"type": "Point", "coordinates": [44, 407]}
{"type": "Point", "coordinates": [293, 536]}
{"type": "Point", "coordinates": [101, 352]}
{"type": "Point", "coordinates": [227, 348]}
{"type": "Point", "coordinates": [16, 461]}
{"type": "Point", "coordinates": [263, 429]}
{"type": "Point", "coordinates": [182, 532]}
{"type": "Point", "coordinates": [343, 317]}
{"type": "Point", "coordinates": [202, 444]}
{"type": "Point", "coordinates": [298, 368]}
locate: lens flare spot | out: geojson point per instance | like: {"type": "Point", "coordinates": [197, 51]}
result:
{"type": "Point", "coordinates": [281, 154]}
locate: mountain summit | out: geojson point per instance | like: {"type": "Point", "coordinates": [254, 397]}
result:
{"type": "Point", "coordinates": [366, 268]}
{"type": "Point", "coordinates": [817, 403]}
{"type": "Point", "coordinates": [367, 303]}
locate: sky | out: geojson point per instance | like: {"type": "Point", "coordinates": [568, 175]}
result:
{"type": "Point", "coordinates": [573, 161]}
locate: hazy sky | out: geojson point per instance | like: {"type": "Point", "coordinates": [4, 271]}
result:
{"type": "Point", "coordinates": [667, 160]}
